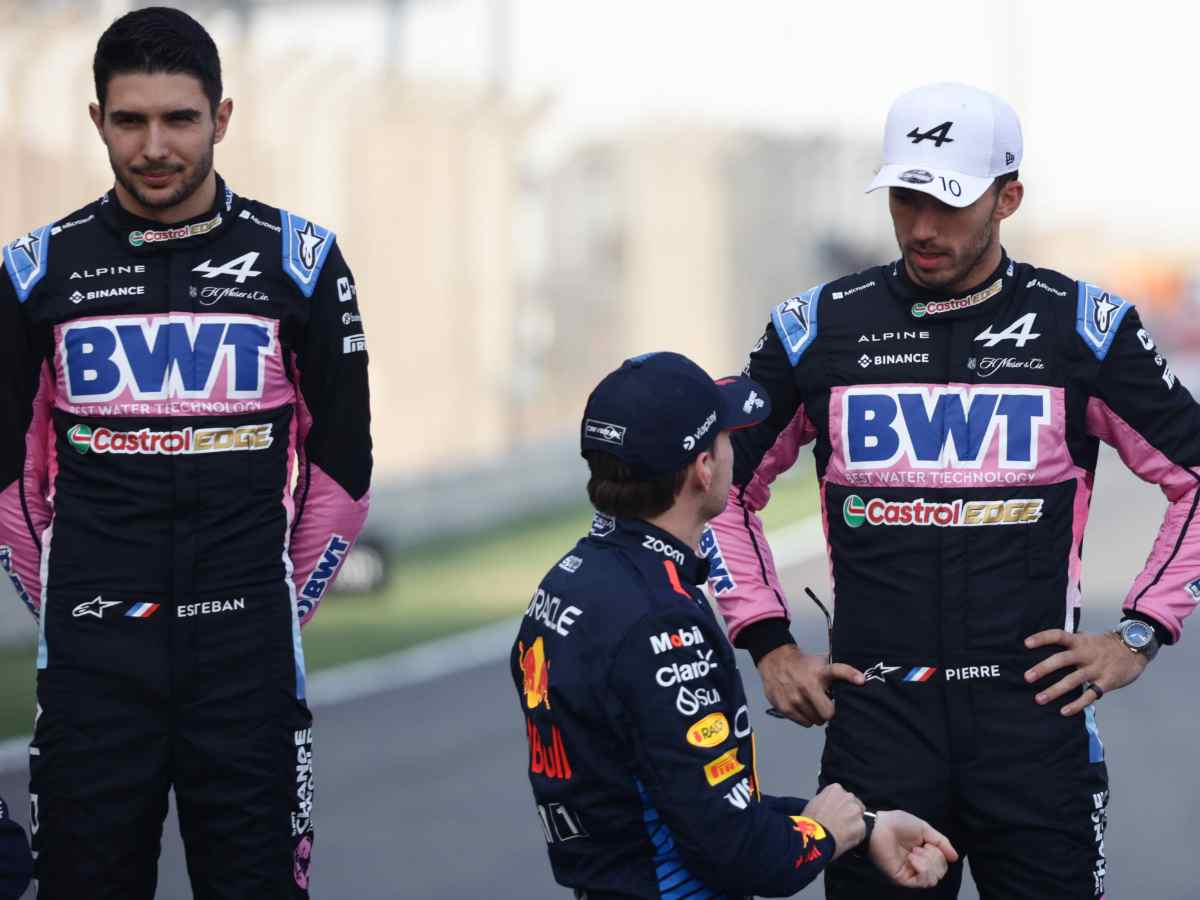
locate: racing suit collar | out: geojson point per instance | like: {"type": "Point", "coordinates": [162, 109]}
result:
{"type": "Point", "coordinates": [640, 535]}
{"type": "Point", "coordinates": [147, 236]}
{"type": "Point", "coordinates": [926, 304]}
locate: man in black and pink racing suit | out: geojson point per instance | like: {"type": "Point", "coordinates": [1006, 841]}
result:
{"type": "Point", "coordinates": [185, 461]}
{"type": "Point", "coordinates": [955, 400]}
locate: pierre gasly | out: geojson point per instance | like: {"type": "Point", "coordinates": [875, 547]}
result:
{"type": "Point", "coordinates": [184, 463]}
{"type": "Point", "coordinates": [956, 441]}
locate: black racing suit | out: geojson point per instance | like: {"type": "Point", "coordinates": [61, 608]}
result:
{"type": "Point", "coordinates": [184, 464]}
{"type": "Point", "coordinates": [955, 442]}
{"type": "Point", "coordinates": [641, 754]}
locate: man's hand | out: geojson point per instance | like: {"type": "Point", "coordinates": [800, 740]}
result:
{"type": "Point", "coordinates": [910, 851]}
{"type": "Point", "coordinates": [797, 684]}
{"type": "Point", "coordinates": [1100, 660]}
{"type": "Point", "coordinates": [841, 814]}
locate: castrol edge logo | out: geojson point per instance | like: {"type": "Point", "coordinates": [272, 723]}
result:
{"type": "Point", "coordinates": [185, 441]}
{"type": "Point", "coordinates": [965, 513]}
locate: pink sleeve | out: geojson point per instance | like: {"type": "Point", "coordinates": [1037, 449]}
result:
{"type": "Point", "coordinates": [25, 508]}
{"type": "Point", "coordinates": [742, 575]}
{"type": "Point", "coordinates": [1168, 587]}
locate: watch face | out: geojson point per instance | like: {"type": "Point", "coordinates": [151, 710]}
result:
{"type": "Point", "coordinates": [1137, 634]}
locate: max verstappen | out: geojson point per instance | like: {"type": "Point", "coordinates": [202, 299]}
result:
{"type": "Point", "coordinates": [641, 752]}
{"type": "Point", "coordinates": [956, 400]}
{"type": "Point", "coordinates": [184, 464]}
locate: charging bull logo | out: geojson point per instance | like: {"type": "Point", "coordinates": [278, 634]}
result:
{"type": "Point", "coordinates": [165, 357]}
{"type": "Point", "coordinates": [940, 427]}
{"type": "Point", "coordinates": [536, 669]}
{"type": "Point", "coordinates": [810, 831]}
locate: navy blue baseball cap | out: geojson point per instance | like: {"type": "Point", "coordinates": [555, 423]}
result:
{"type": "Point", "coordinates": [660, 411]}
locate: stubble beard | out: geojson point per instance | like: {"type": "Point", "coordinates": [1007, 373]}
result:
{"type": "Point", "coordinates": [954, 278]}
{"type": "Point", "coordinates": [189, 186]}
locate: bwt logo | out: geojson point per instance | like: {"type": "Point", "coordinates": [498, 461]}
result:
{"type": "Point", "coordinates": [719, 579]}
{"type": "Point", "coordinates": [939, 427]}
{"type": "Point", "coordinates": [327, 566]}
{"type": "Point", "coordinates": [160, 358]}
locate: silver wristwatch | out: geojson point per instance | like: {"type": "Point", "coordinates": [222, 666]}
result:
{"type": "Point", "coordinates": [1139, 637]}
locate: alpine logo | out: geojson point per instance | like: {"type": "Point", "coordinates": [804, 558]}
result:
{"type": "Point", "coordinates": [240, 268]}
{"type": "Point", "coordinates": [1019, 332]}
{"type": "Point", "coordinates": [958, 513]}
{"type": "Point", "coordinates": [939, 134]}
{"type": "Point", "coordinates": [940, 427]}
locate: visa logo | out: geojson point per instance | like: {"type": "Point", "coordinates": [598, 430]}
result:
{"type": "Point", "coordinates": [942, 427]}
{"type": "Point", "coordinates": [164, 357]}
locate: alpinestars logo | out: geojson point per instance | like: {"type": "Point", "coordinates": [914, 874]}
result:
{"type": "Point", "coordinates": [939, 134]}
{"type": "Point", "coordinates": [28, 244]}
{"type": "Point", "coordinates": [310, 243]}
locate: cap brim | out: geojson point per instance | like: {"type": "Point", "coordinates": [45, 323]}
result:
{"type": "Point", "coordinates": [744, 403]}
{"type": "Point", "coordinates": [952, 188]}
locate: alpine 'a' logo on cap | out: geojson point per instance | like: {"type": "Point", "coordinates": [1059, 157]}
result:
{"type": "Point", "coordinates": [854, 511]}
{"type": "Point", "coordinates": [604, 431]}
{"type": "Point", "coordinates": [939, 135]}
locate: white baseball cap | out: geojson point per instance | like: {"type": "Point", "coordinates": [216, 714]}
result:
{"type": "Point", "coordinates": [949, 141]}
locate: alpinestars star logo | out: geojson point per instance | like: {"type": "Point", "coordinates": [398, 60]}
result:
{"type": "Point", "coordinates": [1102, 314]}
{"type": "Point", "coordinates": [939, 135]}
{"type": "Point", "coordinates": [310, 243]}
{"type": "Point", "coordinates": [28, 244]}
{"type": "Point", "coordinates": [94, 608]}
{"type": "Point", "coordinates": [878, 671]}
{"type": "Point", "coordinates": [798, 308]}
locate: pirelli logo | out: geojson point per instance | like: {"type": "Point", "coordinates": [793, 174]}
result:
{"type": "Point", "coordinates": [723, 767]}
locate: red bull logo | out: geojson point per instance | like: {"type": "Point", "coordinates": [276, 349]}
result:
{"type": "Point", "coordinates": [536, 669]}
{"type": "Point", "coordinates": [810, 831]}
{"type": "Point", "coordinates": [548, 761]}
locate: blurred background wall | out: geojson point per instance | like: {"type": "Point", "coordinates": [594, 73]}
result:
{"type": "Point", "coordinates": [530, 191]}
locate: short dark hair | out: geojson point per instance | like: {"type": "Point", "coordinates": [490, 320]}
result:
{"type": "Point", "coordinates": [158, 39]}
{"type": "Point", "coordinates": [614, 489]}
{"type": "Point", "coordinates": [1002, 180]}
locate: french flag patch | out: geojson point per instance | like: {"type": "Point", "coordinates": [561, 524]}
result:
{"type": "Point", "coordinates": [920, 673]}
{"type": "Point", "coordinates": [142, 610]}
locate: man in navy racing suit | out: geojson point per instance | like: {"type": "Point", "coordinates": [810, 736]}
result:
{"type": "Point", "coordinates": [184, 464]}
{"type": "Point", "coordinates": [956, 400]}
{"type": "Point", "coordinates": [641, 753]}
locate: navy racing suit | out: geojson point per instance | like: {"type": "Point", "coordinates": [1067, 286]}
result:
{"type": "Point", "coordinates": [641, 754]}
{"type": "Point", "coordinates": [185, 459]}
{"type": "Point", "coordinates": [956, 440]}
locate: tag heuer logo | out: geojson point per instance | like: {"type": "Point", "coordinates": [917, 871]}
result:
{"type": "Point", "coordinates": [604, 431]}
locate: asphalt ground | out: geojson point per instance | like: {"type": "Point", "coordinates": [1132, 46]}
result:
{"type": "Point", "coordinates": [422, 792]}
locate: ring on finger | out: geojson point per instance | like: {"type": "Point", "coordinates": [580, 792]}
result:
{"type": "Point", "coordinates": [1092, 686]}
